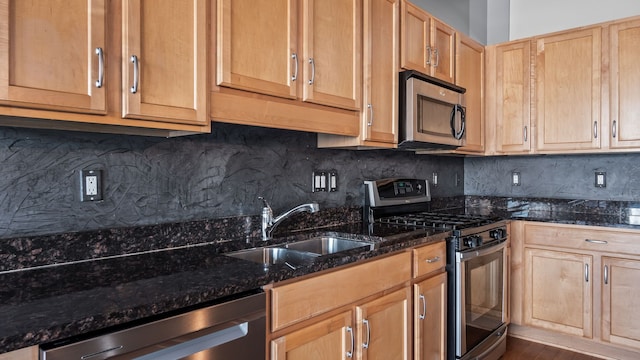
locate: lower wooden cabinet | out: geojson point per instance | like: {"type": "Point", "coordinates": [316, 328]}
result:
{"type": "Point", "coordinates": [430, 318]}
{"type": "Point", "coordinates": [325, 340]}
{"type": "Point", "coordinates": [580, 287]}
{"type": "Point", "coordinates": [30, 353]}
{"type": "Point", "coordinates": [558, 292]}
{"type": "Point", "coordinates": [620, 300]}
{"type": "Point", "coordinates": [392, 308]}
{"type": "Point", "coordinates": [384, 327]}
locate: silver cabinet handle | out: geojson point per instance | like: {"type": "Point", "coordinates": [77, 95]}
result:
{"type": "Point", "coordinates": [134, 60]}
{"type": "Point", "coordinates": [614, 128]}
{"type": "Point", "coordinates": [313, 71]}
{"type": "Point", "coordinates": [586, 272]}
{"type": "Point", "coordinates": [365, 345]}
{"type": "Point", "coordinates": [100, 80]}
{"type": "Point", "coordinates": [595, 129]}
{"type": "Point", "coordinates": [423, 301]}
{"type": "Point", "coordinates": [294, 57]}
{"type": "Point", "coordinates": [596, 241]}
{"type": "Point", "coordinates": [370, 122]}
{"type": "Point", "coordinates": [437, 57]}
{"type": "Point", "coordinates": [525, 134]}
{"type": "Point", "coordinates": [432, 260]}
{"type": "Point", "coordinates": [350, 353]}
{"type": "Point", "coordinates": [428, 55]}
{"type": "Point", "coordinates": [606, 274]}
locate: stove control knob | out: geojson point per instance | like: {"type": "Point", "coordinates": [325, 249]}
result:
{"type": "Point", "coordinates": [472, 241]}
{"type": "Point", "coordinates": [497, 234]}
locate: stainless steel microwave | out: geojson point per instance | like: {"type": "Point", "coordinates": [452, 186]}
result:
{"type": "Point", "coordinates": [432, 113]}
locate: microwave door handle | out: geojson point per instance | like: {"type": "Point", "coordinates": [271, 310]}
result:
{"type": "Point", "coordinates": [457, 134]}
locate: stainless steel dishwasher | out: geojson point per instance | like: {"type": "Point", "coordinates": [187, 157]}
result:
{"type": "Point", "coordinates": [234, 329]}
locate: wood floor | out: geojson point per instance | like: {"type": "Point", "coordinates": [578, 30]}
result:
{"type": "Point", "coordinates": [518, 349]}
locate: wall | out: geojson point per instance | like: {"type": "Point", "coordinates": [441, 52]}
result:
{"type": "Point", "coordinates": [529, 18]}
{"type": "Point", "coordinates": [155, 180]}
{"type": "Point", "coordinates": [453, 12]}
{"type": "Point", "coordinates": [555, 176]}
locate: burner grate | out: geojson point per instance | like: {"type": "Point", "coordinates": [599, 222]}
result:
{"type": "Point", "coordinates": [436, 220]}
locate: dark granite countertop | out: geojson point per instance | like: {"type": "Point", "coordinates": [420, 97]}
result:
{"type": "Point", "coordinates": [60, 286]}
{"type": "Point", "coordinates": [48, 303]}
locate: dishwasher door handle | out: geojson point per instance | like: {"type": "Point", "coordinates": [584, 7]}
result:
{"type": "Point", "coordinates": [196, 345]}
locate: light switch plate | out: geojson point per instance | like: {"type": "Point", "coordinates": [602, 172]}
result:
{"type": "Point", "coordinates": [601, 179]}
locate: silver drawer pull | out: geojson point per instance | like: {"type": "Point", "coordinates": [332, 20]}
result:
{"type": "Point", "coordinates": [349, 354]}
{"type": "Point", "coordinates": [596, 241]}
{"type": "Point", "coordinates": [100, 80]}
{"type": "Point", "coordinates": [433, 260]}
{"type": "Point", "coordinates": [136, 76]}
{"type": "Point", "coordinates": [365, 345]}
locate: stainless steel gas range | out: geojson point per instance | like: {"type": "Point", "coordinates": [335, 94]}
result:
{"type": "Point", "coordinates": [477, 264]}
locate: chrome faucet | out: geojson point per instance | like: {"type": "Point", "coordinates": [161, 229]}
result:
{"type": "Point", "coordinates": [269, 223]}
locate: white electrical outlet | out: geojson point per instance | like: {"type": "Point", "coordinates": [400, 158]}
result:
{"type": "Point", "coordinates": [91, 185]}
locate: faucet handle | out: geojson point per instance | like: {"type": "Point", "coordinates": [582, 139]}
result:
{"type": "Point", "coordinates": [264, 201]}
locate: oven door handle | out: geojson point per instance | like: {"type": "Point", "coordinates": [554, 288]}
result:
{"type": "Point", "coordinates": [466, 256]}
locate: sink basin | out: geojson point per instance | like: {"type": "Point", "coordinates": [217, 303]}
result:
{"type": "Point", "coordinates": [274, 255]}
{"type": "Point", "coordinates": [324, 245]}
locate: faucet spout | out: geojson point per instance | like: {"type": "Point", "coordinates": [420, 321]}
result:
{"type": "Point", "coordinates": [269, 223]}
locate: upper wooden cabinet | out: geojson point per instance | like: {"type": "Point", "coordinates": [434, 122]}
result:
{"type": "Point", "coordinates": [568, 90]}
{"type": "Point", "coordinates": [427, 44]}
{"type": "Point", "coordinates": [164, 60]}
{"type": "Point", "coordinates": [257, 49]}
{"type": "Point", "coordinates": [332, 67]}
{"type": "Point", "coordinates": [306, 49]}
{"type": "Point", "coordinates": [379, 115]}
{"type": "Point", "coordinates": [624, 90]}
{"type": "Point", "coordinates": [67, 65]}
{"type": "Point", "coordinates": [52, 55]}
{"type": "Point", "coordinates": [508, 98]}
{"type": "Point", "coordinates": [291, 64]}
{"type": "Point", "coordinates": [470, 75]}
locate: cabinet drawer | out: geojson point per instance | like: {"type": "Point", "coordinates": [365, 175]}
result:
{"type": "Point", "coordinates": [429, 258]}
{"type": "Point", "coordinates": [588, 238]}
{"type": "Point", "coordinates": [304, 299]}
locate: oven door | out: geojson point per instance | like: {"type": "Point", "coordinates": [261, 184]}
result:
{"type": "Point", "coordinates": [480, 295]}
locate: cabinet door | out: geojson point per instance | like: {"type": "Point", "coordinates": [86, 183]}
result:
{"type": "Point", "coordinates": [625, 77]}
{"type": "Point", "coordinates": [415, 38]}
{"type": "Point", "coordinates": [513, 97]}
{"type": "Point", "coordinates": [384, 327]}
{"type": "Point", "coordinates": [381, 70]}
{"type": "Point", "coordinates": [621, 291]}
{"type": "Point", "coordinates": [430, 318]}
{"type": "Point", "coordinates": [568, 85]}
{"type": "Point", "coordinates": [257, 46]}
{"type": "Point", "coordinates": [332, 39]}
{"type": "Point", "coordinates": [331, 339]}
{"type": "Point", "coordinates": [444, 45]}
{"type": "Point", "coordinates": [470, 75]}
{"type": "Point", "coordinates": [164, 60]}
{"type": "Point", "coordinates": [52, 54]}
{"type": "Point", "coordinates": [558, 291]}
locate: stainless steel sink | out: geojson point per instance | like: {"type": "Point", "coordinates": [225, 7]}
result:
{"type": "Point", "coordinates": [324, 245]}
{"type": "Point", "coordinates": [274, 255]}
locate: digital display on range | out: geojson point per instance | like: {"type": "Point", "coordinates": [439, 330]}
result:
{"type": "Point", "coordinates": [401, 188]}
